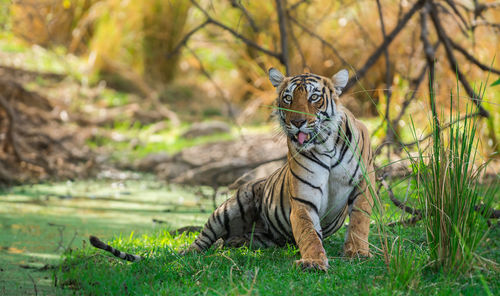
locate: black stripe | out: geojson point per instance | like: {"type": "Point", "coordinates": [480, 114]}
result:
{"type": "Point", "coordinates": [277, 232]}
{"type": "Point", "coordinates": [323, 154]}
{"type": "Point", "coordinates": [355, 149]}
{"type": "Point", "coordinates": [208, 225]}
{"type": "Point", "coordinates": [306, 202]}
{"type": "Point", "coordinates": [226, 221]}
{"type": "Point", "coordinates": [217, 215]}
{"type": "Point", "coordinates": [338, 135]}
{"type": "Point", "coordinates": [129, 257]}
{"type": "Point", "coordinates": [263, 242]}
{"type": "Point", "coordinates": [334, 223]}
{"type": "Point", "coordinates": [345, 146]}
{"type": "Point", "coordinates": [319, 235]}
{"type": "Point", "coordinates": [357, 165]}
{"type": "Point", "coordinates": [319, 162]}
{"type": "Point", "coordinates": [306, 182]}
{"type": "Point", "coordinates": [203, 232]}
{"type": "Point", "coordinates": [352, 196]}
{"type": "Point", "coordinates": [115, 252]}
{"type": "Point", "coordinates": [280, 224]}
{"type": "Point", "coordinates": [282, 199]}
{"type": "Point", "coordinates": [240, 205]}
{"type": "Point", "coordinates": [204, 241]}
{"type": "Point", "coordinates": [316, 158]}
{"type": "Point", "coordinates": [198, 244]}
{"type": "Point", "coordinates": [301, 165]}
{"type": "Point", "coordinates": [255, 184]}
{"type": "Point", "coordinates": [322, 141]}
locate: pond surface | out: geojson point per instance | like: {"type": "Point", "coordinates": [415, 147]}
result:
{"type": "Point", "coordinates": [39, 222]}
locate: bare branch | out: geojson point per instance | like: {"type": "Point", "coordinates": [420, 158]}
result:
{"type": "Point", "coordinates": [186, 38]}
{"type": "Point", "coordinates": [297, 4]}
{"type": "Point", "coordinates": [473, 59]}
{"type": "Point", "coordinates": [229, 107]}
{"type": "Point", "coordinates": [283, 35]}
{"type": "Point", "coordinates": [251, 21]}
{"type": "Point", "coordinates": [429, 57]}
{"type": "Point", "coordinates": [485, 23]}
{"type": "Point", "coordinates": [387, 41]}
{"type": "Point", "coordinates": [453, 62]}
{"type": "Point", "coordinates": [388, 79]}
{"type": "Point", "coordinates": [404, 106]}
{"type": "Point", "coordinates": [453, 6]}
{"type": "Point", "coordinates": [237, 35]}
{"type": "Point", "coordinates": [319, 38]}
{"type": "Point", "coordinates": [299, 48]}
{"type": "Point", "coordinates": [398, 203]}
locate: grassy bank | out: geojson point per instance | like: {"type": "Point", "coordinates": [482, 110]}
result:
{"type": "Point", "coordinates": [260, 272]}
{"type": "Point", "coordinates": [270, 271]}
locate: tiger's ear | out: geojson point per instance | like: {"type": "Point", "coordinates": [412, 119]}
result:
{"type": "Point", "coordinates": [340, 80]}
{"type": "Point", "coordinates": [275, 77]}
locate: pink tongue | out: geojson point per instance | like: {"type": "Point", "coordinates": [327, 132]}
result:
{"type": "Point", "coordinates": [301, 137]}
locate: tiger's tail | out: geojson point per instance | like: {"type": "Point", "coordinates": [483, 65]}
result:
{"type": "Point", "coordinates": [96, 242]}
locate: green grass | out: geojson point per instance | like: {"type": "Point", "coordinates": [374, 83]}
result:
{"type": "Point", "coordinates": [448, 180]}
{"type": "Point", "coordinates": [271, 271]}
{"type": "Point", "coordinates": [255, 272]}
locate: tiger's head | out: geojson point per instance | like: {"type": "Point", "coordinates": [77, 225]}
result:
{"type": "Point", "coordinates": [307, 106]}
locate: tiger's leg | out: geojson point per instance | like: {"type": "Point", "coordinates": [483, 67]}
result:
{"type": "Point", "coordinates": [307, 234]}
{"type": "Point", "coordinates": [356, 241]}
{"type": "Point", "coordinates": [232, 218]}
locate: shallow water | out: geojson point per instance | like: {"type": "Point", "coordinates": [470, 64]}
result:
{"type": "Point", "coordinates": [39, 222]}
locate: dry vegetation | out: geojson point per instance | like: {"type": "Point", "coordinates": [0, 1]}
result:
{"type": "Point", "coordinates": [221, 50]}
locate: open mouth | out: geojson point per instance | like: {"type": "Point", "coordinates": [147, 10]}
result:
{"type": "Point", "coordinates": [302, 137]}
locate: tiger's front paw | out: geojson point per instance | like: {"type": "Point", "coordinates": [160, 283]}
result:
{"type": "Point", "coordinates": [351, 251]}
{"type": "Point", "coordinates": [312, 264]}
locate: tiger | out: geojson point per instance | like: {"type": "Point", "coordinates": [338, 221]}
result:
{"type": "Point", "coordinates": [328, 175]}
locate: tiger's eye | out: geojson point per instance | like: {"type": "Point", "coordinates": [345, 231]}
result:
{"type": "Point", "coordinates": [287, 99]}
{"type": "Point", "coordinates": [314, 98]}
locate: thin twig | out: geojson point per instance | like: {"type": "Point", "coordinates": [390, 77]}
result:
{"type": "Point", "coordinates": [387, 41]}
{"type": "Point", "coordinates": [298, 47]}
{"type": "Point", "coordinates": [472, 59]}
{"type": "Point", "coordinates": [226, 100]}
{"type": "Point", "coordinates": [186, 38]}
{"type": "Point", "coordinates": [429, 57]}
{"type": "Point", "coordinates": [463, 25]}
{"type": "Point", "coordinates": [441, 128]}
{"type": "Point", "coordinates": [453, 62]}
{"type": "Point", "coordinates": [34, 284]}
{"type": "Point", "coordinates": [297, 4]}
{"type": "Point", "coordinates": [398, 203]}
{"type": "Point", "coordinates": [404, 106]}
{"type": "Point", "coordinates": [388, 81]}
{"type": "Point", "coordinates": [210, 20]}
{"type": "Point", "coordinates": [248, 16]}
{"type": "Point", "coordinates": [319, 38]}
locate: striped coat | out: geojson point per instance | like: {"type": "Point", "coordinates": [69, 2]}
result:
{"type": "Point", "coordinates": [329, 175]}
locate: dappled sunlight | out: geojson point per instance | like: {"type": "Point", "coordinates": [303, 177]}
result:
{"type": "Point", "coordinates": [130, 120]}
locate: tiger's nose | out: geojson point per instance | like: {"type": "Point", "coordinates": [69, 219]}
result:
{"type": "Point", "coordinates": [298, 122]}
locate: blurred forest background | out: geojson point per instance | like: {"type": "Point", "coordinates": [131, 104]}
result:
{"type": "Point", "coordinates": [102, 101]}
{"type": "Point", "coordinates": [87, 81]}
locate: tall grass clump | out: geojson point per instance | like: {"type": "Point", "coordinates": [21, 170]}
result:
{"type": "Point", "coordinates": [450, 192]}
